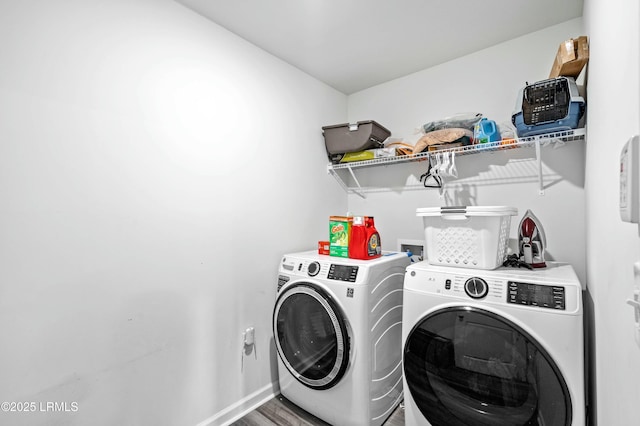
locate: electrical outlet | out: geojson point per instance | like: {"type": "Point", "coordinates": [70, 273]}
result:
{"type": "Point", "coordinates": [249, 336]}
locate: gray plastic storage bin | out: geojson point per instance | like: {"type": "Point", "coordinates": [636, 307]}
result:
{"type": "Point", "coordinates": [343, 138]}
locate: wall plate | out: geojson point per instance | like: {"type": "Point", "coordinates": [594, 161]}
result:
{"type": "Point", "coordinates": [630, 180]}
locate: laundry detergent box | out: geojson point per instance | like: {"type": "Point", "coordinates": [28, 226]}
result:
{"type": "Point", "coordinates": [339, 231]}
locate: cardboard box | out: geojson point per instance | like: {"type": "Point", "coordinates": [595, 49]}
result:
{"type": "Point", "coordinates": [440, 147]}
{"type": "Point", "coordinates": [323, 247]}
{"type": "Point", "coordinates": [571, 58]}
{"type": "Point", "coordinates": [339, 231]}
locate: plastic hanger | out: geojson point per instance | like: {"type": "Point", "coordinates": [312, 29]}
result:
{"type": "Point", "coordinates": [431, 179]}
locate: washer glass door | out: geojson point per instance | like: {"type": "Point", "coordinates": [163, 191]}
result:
{"type": "Point", "coordinates": [468, 366]}
{"type": "Point", "coordinates": [311, 336]}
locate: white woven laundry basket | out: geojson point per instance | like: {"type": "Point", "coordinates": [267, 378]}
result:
{"type": "Point", "coordinates": [467, 236]}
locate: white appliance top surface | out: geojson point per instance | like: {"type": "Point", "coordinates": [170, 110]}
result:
{"type": "Point", "coordinates": [340, 270]}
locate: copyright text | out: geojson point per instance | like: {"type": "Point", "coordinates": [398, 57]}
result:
{"type": "Point", "coordinates": [40, 407]}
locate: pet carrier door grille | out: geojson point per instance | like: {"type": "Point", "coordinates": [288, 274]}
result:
{"type": "Point", "coordinates": [546, 101]}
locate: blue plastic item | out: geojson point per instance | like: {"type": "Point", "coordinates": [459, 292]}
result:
{"type": "Point", "coordinates": [486, 130]}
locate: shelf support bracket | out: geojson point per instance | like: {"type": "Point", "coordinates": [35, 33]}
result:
{"type": "Point", "coordinates": [355, 179]}
{"type": "Point", "coordinates": [337, 177]}
{"type": "Point", "coordinates": [333, 172]}
{"type": "Point", "coordinates": [539, 161]}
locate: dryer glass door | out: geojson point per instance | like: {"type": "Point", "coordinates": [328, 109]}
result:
{"type": "Point", "coordinates": [467, 366]}
{"type": "Point", "coordinates": [311, 336]}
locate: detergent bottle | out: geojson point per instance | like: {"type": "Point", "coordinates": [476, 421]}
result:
{"type": "Point", "coordinates": [485, 131]}
{"type": "Point", "coordinates": [365, 240]}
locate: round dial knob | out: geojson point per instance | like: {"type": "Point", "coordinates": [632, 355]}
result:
{"type": "Point", "coordinates": [313, 269]}
{"type": "Point", "coordinates": [476, 288]}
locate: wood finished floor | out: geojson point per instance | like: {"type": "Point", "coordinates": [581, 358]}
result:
{"type": "Point", "coordinates": [281, 412]}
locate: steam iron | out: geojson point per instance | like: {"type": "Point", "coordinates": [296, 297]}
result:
{"type": "Point", "coordinates": [532, 241]}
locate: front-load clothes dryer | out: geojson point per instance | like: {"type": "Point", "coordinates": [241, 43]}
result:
{"type": "Point", "coordinates": [337, 326]}
{"type": "Point", "coordinates": [503, 347]}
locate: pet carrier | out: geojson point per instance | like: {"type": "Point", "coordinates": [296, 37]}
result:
{"type": "Point", "coordinates": [551, 105]}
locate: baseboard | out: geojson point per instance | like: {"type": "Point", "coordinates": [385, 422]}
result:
{"type": "Point", "coordinates": [242, 407]}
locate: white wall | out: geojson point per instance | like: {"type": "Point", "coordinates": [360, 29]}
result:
{"type": "Point", "coordinates": [612, 245]}
{"type": "Point", "coordinates": [487, 82]}
{"type": "Point", "coordinates": [140, 144]}
{"type": "Point", "coordinates": [153, 169]}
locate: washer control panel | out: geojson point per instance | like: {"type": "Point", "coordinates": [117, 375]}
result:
{"type": "Point", "coordinates": [554, 289]}
{"type": "Point", "coordinates": [319, 269]}
{"type": "Point", "coordinates": [544, 296]}
{"type": "Point", "coordinates": [343, 273]}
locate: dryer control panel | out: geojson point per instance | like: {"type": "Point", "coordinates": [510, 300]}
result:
{"type": "Point", "coordinates": [544, 296]}
{"type": "Point", "coordinates": [343, 273]}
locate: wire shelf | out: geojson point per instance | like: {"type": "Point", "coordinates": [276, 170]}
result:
{"type": "Point", "coordinates": [546, 138]}
{"type": "Point", "coordinates": [530, 141]}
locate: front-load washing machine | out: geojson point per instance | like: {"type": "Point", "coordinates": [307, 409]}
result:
{"type": "Point", "coordinates": [493, 347]}
{"type": "Point", "coordinates": [337, 326]}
